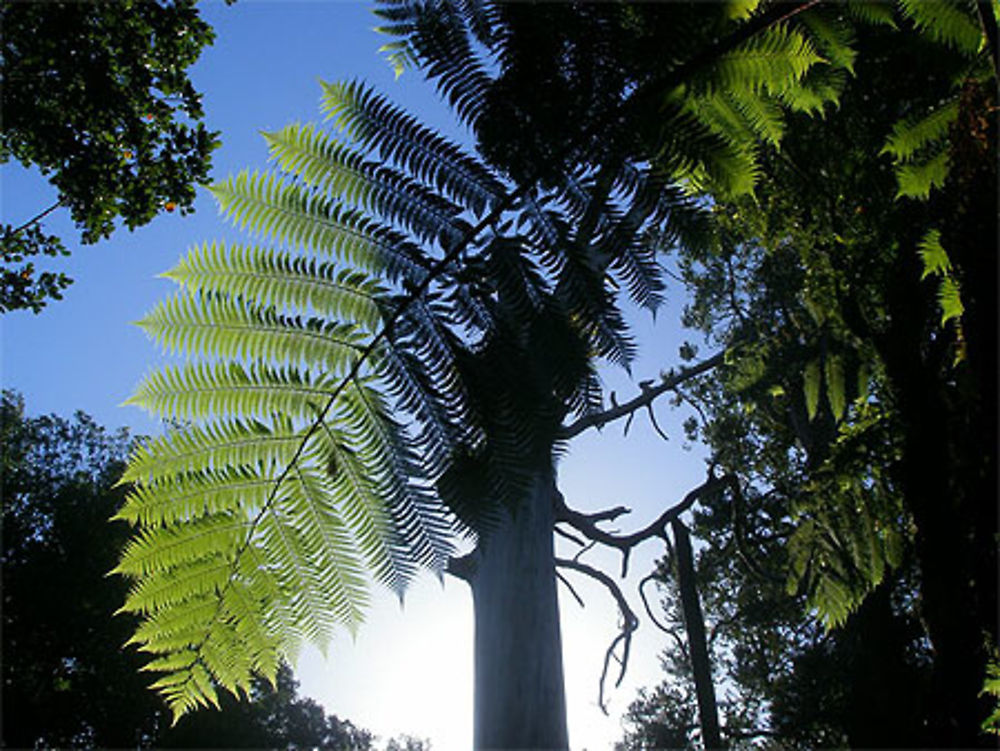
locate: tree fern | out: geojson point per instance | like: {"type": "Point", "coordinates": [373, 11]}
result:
{"type": "Point", "coordinates": [338, 369]}
{"type": "Point", "coordinates": [404, 314]}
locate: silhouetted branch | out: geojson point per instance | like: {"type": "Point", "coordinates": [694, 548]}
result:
{"type": "Point", "coordinates": [648, 393]}
{"type": "Point", "coordinates": [585, 524]}
{"type": "Point", "coordinates": [33, 220]}
{"type": "Point", "coordinates": [629, 624]}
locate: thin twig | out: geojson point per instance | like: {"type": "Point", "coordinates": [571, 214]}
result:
{"type": "Point", "coordinates": [645, 602]}
{"type": "Point", "coordinates": [652, 419]}
{"type": "Point", "coordinates": [629, 624]}
{"type": "Point", "coordinates": [33, 220]}
{"type": "Point", "coordinates": [569, 586]}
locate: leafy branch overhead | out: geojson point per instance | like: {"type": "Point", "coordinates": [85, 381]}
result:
{"type": "Point", "coordinates": [96, 96]}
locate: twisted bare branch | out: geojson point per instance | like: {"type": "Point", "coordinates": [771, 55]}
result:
{"type": "Point", "coordinates": [629, 624]}
{"type": "Point", "coordinates": [649, 392]}
{"type": "Point", "coordinates": [586, 524]}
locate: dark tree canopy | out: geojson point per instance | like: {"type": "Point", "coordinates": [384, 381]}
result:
{"type": "Point", "coordinates": [97, 96]}
{"type": "Point", "coordinates": [859, 408]}
{"type": "Point", "coordinates": [854, 291]}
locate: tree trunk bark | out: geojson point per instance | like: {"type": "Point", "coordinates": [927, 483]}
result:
{"type": "Point", "coordinates": [694, 623]}
{"type": "Point", "coordinates": [519, 693]}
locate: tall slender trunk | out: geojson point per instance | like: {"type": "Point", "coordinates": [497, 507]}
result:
{"type": "Point", "coordinates": [694, 624]}
{"type": "Point", "coordinates": [519, 692]}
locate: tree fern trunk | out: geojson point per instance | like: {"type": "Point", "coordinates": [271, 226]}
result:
{"type": "Point", "coordinates": [519, 692]}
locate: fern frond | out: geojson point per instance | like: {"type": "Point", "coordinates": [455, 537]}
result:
{"type": "Point", "coordinates": [219, 444]}
{"type": "Point", "coordinates": [328, 165]}
{"type": "Point", "coordinates": [913, 135]}
{"type": "Point", "coordinates": [834, 39]}
{"type": "Point", "coordinates": [216, 327]}
{"type": "Point", "coordinates": [933, 256]}
{"type": "Point", "coordinates": [949, 22]}
{"type": "Point", "coordinates": [398, 137]}
{"type": "Point", "coordinates": [204, 390]}
{"type": "Point", "coordinates": [441, 40]}
{"type": "Point", "coordinates": [282, 281]}
{"type": "Point", "coordinates": [917, 179]}
{"type": "Point", "coordinates": [768, 61]}
{"type": "Point", "coordinates": [874, 12]}
{"type": "Point", "coordinates": [192, 495]}
{"type": "Point", "coordinates": [268, 205]}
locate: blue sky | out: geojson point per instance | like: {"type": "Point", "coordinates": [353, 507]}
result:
{"type": "Point", "coordinates": [408, 670]}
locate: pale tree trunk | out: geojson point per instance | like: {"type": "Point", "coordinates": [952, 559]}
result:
{"type": "Point", "coordinates": [519, 694]}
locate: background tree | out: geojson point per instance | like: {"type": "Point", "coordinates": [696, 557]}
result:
{"type": "Point", "coordinates": [67, 681]}
{"type": "Point", "coordinates": [97, 97]}
{"type": "Point", "coordinates": [857, 407]}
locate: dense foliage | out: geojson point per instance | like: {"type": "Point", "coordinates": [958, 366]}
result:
{"type": "Point", "coordinates": [67, 681]}
{"type": "Point", "coordinates": [859, 406]}
{"type": "Point", "coordinates": [97, 97]}
{"type": "Point", "coordinates": [853, 290]}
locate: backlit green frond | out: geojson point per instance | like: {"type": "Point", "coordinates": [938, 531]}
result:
{"type": "Point", "coordinates": [281, 210]}
{"type": "Point", "coordinates": [916, 179]}
{"type": "Point", "coordinates": [911, 136]}
{"type": "Point", "coordinates": [951, 22]}
{"type": "Point", "coordinates": [218, 328]}
{"type": "Point", "coordinates": [203, 390]}
{"type": "Point", "coordinates": [282, 281]}
{"type": "Point", "coordinates": [768, 61]}
{"type": "Point", "coordinates": [226, 443]}
{"type": "Point", "coordinates": [919, 147]}
{"type": "Point", "coordinates": [932, 255]}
